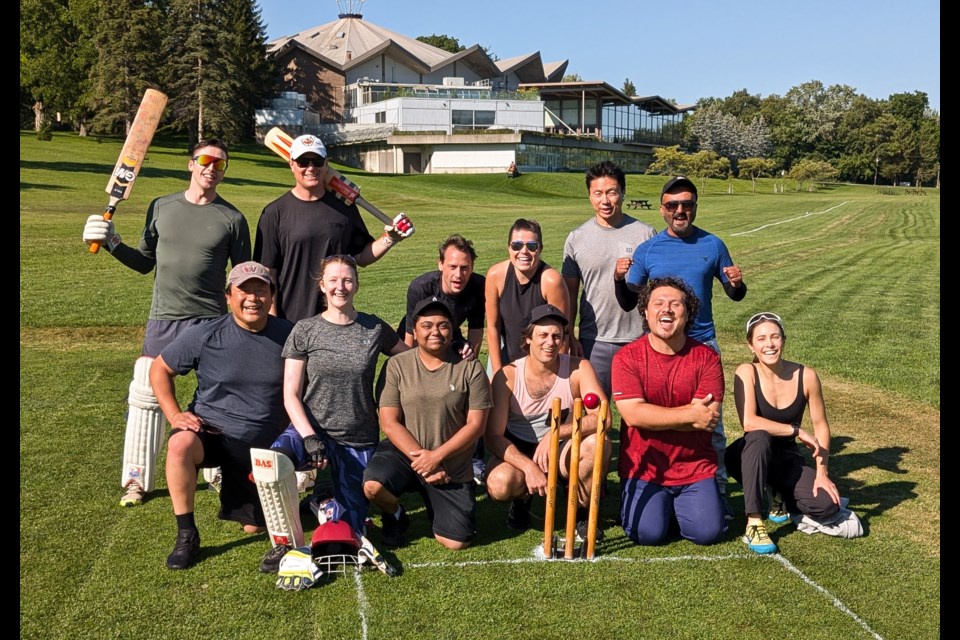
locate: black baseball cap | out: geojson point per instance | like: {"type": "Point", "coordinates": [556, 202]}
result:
{"type": "Point", "coordinates": [430, 304]}
{"type": "Point", "coordinates": [547, 311]}
{"type": "Point", "coordinates": [679, 181]}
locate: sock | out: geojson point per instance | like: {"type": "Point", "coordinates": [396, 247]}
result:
{"type": "Point", "coordinates": [185, 522]}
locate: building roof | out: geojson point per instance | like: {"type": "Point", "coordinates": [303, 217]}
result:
{"type": "Point", "coordinates": [349, 41]}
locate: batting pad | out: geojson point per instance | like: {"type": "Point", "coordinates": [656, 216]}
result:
{"type": "Point", "coordinates": [277, 486]}
{"type": "Point", "coordinates": [145, 428]}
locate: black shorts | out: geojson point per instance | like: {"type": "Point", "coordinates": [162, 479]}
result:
{"type": "Point", "coordinates": [239, 500]}
{"type": "Point", "coordinates": [453, 505]}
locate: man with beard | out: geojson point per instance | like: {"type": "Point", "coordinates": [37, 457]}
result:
{"type": "Point", "coordinates": [668, 388]}
{"type": "Point", "coordinates": [697, 257]}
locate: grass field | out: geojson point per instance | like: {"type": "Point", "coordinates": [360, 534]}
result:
{"type": "Point", "coordinates": [854, 273]}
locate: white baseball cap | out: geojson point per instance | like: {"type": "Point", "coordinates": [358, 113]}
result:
{"type": "Point", "coordinates": [307, 144]}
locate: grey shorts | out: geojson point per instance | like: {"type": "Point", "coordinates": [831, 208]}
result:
{"type": "Point", "coordinates": [160, 333]}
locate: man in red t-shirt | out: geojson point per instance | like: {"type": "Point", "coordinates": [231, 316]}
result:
{"type": "Point", "coordinates": [668, 389]}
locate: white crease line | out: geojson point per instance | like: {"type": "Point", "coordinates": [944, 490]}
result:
{"type": "Point", "coordinates": [836, 602]}
{"type": "Point", "coordinates": [362, 604]}
{"type": "Point", "coordinates": [476, 563]}
{"type": "Point", "coordinates": [773, 224]}
{"type": "Point", "coordinates": [734, 556]}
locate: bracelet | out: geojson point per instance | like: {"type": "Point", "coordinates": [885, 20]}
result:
{"type": "Point", "coordinates": [796, 429]}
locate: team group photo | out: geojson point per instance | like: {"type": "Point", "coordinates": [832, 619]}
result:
{"type": "Point", "coordinates": [430, 343]}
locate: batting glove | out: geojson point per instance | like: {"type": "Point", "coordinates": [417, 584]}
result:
{"type": "Point", "coordinates": [402, 228]}
{"type": "Point", "coordinates": [316, 451]}
{"type": "Point", "coordinates": [297, 570]}
{"type": "Point", "coordinates": [100, 230]}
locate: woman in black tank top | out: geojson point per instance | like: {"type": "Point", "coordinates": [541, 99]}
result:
{"type": "Point", "coordinates": [771, 395]}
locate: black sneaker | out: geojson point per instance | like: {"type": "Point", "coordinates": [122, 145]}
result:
{"type": "Point", "coordinates": [393, 528]}
{"type": "Point", "coordinates": [582, 531]}
{"type": "Point", "coordinates": [185, 551]}
{"type": "Point", "coordinates": [271, 560]}
{"type": "Point", "coordinates": [518, 517]}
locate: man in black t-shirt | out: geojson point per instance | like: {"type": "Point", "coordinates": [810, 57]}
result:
{"type": "Point", "coordinates": [458, 286]}
{"type": "Point", "coordinates": [307, 224]}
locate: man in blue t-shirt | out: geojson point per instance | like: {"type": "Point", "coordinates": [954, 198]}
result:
{"type": "Point", "coordinates": [695, 256]}
{"type": "Point", "coordinates": [238, 404]}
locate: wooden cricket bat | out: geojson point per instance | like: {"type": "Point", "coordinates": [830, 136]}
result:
{"type": "Point", "coordinates": [134, 149]}
{"type": "Point", "coordinates": [279, 141]}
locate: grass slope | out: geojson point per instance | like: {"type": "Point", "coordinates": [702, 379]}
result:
{"type": "Point", "coordinates": [854, 273]}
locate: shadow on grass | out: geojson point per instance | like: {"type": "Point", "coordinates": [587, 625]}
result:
{"type": "Point", "coordinates": [145, 172]}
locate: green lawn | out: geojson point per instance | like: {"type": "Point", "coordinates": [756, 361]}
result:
{"type": "Point", "coordinates": [854, 273]}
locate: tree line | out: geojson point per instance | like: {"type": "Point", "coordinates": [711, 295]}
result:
{"type": "Point", "coordinates": [85, 64]}
{"type": "Point", "coordinates": [818, 133]}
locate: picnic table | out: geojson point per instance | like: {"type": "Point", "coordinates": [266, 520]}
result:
{"type": "Point", "coordinates": [637, 203]}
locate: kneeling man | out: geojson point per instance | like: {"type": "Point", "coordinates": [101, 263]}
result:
{"type": "Point", "coordinates": [238, 404]}
{"type": "Point", "coordinates": [668, 389]}
{"type": "Point", "coordinates": [519, 426]}
{"type": "Point", "coordinates": [433, 409]}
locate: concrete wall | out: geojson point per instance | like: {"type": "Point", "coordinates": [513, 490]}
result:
{"type": "Point", "coordinates": [467, 158]}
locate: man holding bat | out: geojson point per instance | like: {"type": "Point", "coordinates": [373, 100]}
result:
{"type": "Point", "coordinates": [309, 223]}
{"type": "Point", "coordinates": [187, 239]}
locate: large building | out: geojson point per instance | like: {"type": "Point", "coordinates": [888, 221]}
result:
{"type": "Point", "coordinates": [389, 103]}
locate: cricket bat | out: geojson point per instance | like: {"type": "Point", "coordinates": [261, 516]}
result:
{"type": "Point", "coordinates": [279, 141]}
{"type": "Point", "coordinates": [134, 149]}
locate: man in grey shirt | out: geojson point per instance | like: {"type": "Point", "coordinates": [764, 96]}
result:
{"type": "Point", "coordinates": [187, 240]}
{"type": "Point", "coordinates": [590, 257]}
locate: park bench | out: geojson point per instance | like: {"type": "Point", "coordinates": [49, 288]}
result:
{"type": "Point", "coordinates": [638, 203]}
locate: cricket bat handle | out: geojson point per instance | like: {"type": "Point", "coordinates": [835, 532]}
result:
{"type": "Point", "coordinates": [107, 215]}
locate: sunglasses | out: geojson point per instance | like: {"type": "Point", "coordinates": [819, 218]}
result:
{"type": "Point", "coordinates": [219, 164]}
{"type": "Point", "coordinates": [532, 245]}
{"type": "Point", "coordinates": [673, 205]}
{"type": "Point", "coordinates": [303, 163]}
{"type": "Point", "coordinates": [764, 317]}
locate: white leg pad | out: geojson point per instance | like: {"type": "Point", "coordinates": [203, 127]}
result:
{"type": "Point", "coordinates": [145, 428]}
{"type": "Point", "coordinates": [277, 486]}
{"type": "Point", "coordinates": [210, 474]}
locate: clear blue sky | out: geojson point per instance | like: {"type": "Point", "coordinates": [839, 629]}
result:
{"type": "Point", "coordinates": [681, 51]}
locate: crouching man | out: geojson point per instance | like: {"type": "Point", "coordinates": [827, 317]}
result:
{"type": "Point", "coordinates": [238, 404]}
{"type": "Point", "coordinates": [519, 426]}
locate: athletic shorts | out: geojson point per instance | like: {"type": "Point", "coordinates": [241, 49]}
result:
{"type": "Point", "coordinates": [160, 333]}
{"type": "Point", "coordinates": [529, 448]}
{"type": "Point", "coordinates": [346, 465]}
{"type": "Point", "coordinates": [239, 500]}
{"type": "Point", "coordinates": [452, 507]}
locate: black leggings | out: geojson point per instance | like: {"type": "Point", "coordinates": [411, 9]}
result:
{"type": "Point", "coordinates": [758, 459]}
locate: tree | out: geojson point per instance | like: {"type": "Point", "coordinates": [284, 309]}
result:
{"type": "Point", "coordinates": [724, 134]}
{"type": "Point", "coordinates": [706, 164]}
{"type": "Point", "coordinates": [126, 38]}
{"type": "Point", "coordinates": [447, 43]}
{"type": "Point", "coordinates": [572, 77]}
{"type": "Point", "coordinates": [628, 88]}
{"type": "Point", "coordinates": [815, 171]}
{"type": "Point", "coordinates": [668, 161]}
{"type": "Point", "coordinates": [755, 168]}
{"type": "Point", "coordinates": [55, 59]}
{"type": "Point", "coordinates": [217, 71]}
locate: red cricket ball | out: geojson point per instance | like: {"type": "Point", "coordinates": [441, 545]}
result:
{"type": "Point", "coordinates": [591, 401]}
